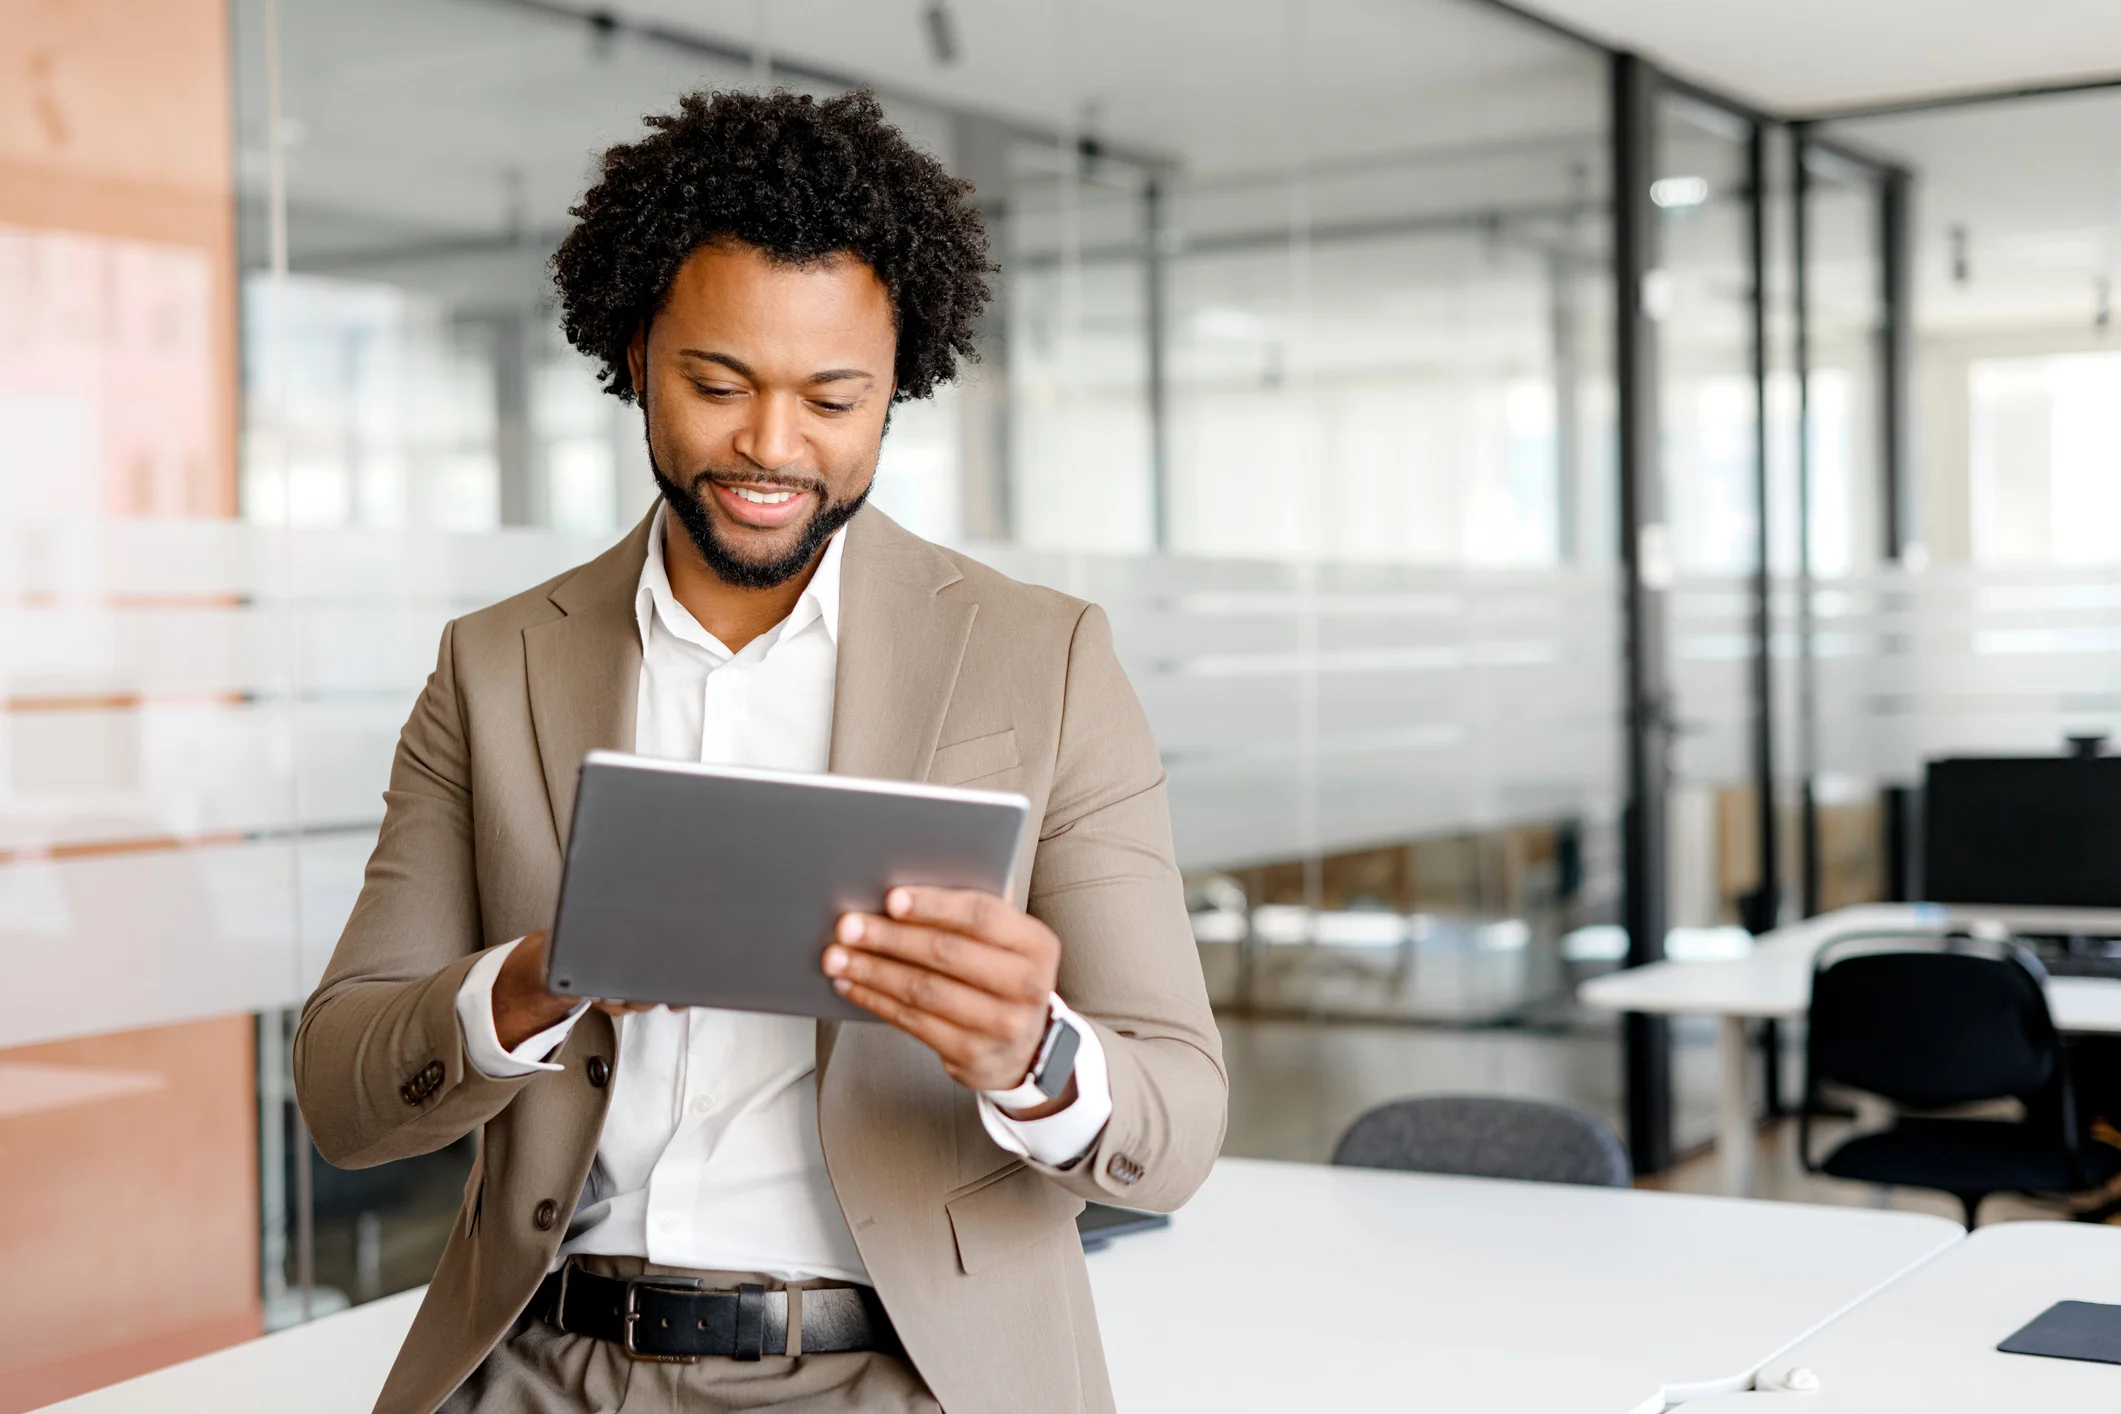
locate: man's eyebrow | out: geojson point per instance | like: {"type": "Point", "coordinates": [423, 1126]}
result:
{"type": "Point", "coordinates": [743, 370]}
{"type": "Point", "coordinates": [729, 361]}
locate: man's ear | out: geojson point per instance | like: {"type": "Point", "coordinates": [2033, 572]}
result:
{"type": "Point", "coordinates": [637, 363]}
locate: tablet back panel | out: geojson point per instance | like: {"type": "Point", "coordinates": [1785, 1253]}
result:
{"type": "Point", "coordinates": [711, 886]}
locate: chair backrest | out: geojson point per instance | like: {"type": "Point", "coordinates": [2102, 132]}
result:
{"type": "Point", "coordinates": [1927, 1028]}
{"type": "Point", "coordinates": [1484, 1136]}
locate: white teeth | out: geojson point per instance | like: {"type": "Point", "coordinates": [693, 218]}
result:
{"type": "Point", "coordinates": [764, 498]}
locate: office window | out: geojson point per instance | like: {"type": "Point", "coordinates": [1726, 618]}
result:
{"type": "Point", "coordinates": [2044, 459]}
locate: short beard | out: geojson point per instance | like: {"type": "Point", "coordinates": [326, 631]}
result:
{"type": "Point", "coordinates": [730, 568]}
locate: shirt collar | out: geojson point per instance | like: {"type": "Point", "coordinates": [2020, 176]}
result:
{"type": "Point", "coordinates": [654, 599]}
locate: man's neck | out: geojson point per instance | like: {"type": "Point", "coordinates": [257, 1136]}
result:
{"type": "Point", "coordinates": [734, 615]}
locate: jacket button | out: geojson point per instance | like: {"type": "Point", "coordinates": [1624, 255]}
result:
{"type": "Point", "coordinates": [547, 1214]}
{"type": "Point", "coordinates": [433, 1074]}
{"type": "Point", "coordinates": [599, 1072]}
{"type": "Point", "coordinates": [409, 1095]}
{"type": "Point", "coordinates": [1123, 1169]}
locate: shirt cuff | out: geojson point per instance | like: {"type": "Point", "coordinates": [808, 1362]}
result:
{"type": "Point", "coordinates": [482, 1042]}
{"type": "Point", "coordinates": [1061, 1138]}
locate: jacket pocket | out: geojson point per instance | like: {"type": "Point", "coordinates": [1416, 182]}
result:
{"type": "Point", "coordinates": [969, 760]}
{"type": "Point", "coordinates": [1002, 1215]}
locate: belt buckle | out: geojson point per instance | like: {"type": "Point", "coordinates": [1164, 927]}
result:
{"type": "Point", "coordinates": [632, 1314]}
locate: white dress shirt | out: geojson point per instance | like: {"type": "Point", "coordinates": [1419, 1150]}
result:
{"type": "Point", "coordinates": [710, 1157]}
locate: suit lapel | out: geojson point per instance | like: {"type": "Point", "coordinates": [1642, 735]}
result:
{"type": "Point", "coordinates": [901, 641]}
{"type": "Point", "coordinates": [584, 669]}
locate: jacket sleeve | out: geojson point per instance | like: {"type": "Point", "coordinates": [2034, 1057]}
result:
{"type": "Point", "coordinates": [380, 1065]}
{"type": "Point", "coordinates": [1105, 880]}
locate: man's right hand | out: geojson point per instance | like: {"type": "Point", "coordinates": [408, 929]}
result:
{"type": "Point", "coordinates": [522, 1004]}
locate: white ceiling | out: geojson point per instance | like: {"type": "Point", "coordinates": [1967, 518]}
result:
{"type": "Point", "coordinates": [2035, 186]}
{"type": "Point", "coordinates": [408, 115]}
{"type": "Point", "coordinates": [1216, 84]}
{"type": "Point", "coordinates": [1801, 56]}
{"type": "Point", "coordinates": [412, 122]}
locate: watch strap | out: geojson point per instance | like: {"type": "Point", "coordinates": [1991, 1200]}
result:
{"type": "Point", "coordinates": [1051, 1067]}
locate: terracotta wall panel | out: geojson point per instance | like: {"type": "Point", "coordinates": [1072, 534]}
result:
{"type": "Point", "coordinates": [115, 124]}
{"type": "Point", "coordinates": [129, 1208]}
{"type": "Point", "coordinates": [129, 1231]}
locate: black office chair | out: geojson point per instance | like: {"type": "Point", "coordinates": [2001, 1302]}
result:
{"type": "Point", "coordinates": [1934, 1024]}
{"type": "Point", "coordinates": [1485, 1136]}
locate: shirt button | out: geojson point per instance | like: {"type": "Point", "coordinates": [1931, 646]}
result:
{"type": "Point", "coordinates": [547, 1214]}
{"type": "Point", "coordinates": [703, 1105]}
{"type": "Point", "coordinates": [599, 1072]}
{"type": "Point", "coordinates": [668, 1222]}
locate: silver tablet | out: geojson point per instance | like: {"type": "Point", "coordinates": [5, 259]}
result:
{"type": "Point", "coordinates": [719, 886]}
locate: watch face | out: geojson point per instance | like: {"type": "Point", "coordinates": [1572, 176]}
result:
{"type": "Point", "coordinates": [1059, 1064]}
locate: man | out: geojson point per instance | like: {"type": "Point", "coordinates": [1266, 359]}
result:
{"type": "Point", "coordinates": [714, 1210]}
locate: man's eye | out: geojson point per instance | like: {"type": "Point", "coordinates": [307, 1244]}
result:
{"type": "Point", "coordinates": [709, 390]}
{"type": "Point", "coordinates": [836, 407]}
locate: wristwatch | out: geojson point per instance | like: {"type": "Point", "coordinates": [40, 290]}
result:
{"type": "Point", "coordinates": [1051, 1067]}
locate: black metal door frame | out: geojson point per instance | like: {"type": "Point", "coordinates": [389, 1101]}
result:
{"type": "Point", "coordinates": [1646, 1040]}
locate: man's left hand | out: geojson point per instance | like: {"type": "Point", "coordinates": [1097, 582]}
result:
{"type": "Point", "coordinates": [965, 972]}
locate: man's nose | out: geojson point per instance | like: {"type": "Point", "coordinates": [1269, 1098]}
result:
{"type": "Point", "coordinates": [769, 438]}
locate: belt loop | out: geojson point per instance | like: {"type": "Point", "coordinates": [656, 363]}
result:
{"type": "Point", "coordinates": [795, 1320]}
{"type": "Point", "coordinates": [750, 1322]}
{"type": "Point", "coordinates": [559, 1305]}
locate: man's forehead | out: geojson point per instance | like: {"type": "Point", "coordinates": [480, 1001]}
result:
{"type": "Point", "coordinates": [759, 316]}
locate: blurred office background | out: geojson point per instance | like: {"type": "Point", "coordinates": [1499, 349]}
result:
{"type": "Point", "coordinates": [1551, 509]}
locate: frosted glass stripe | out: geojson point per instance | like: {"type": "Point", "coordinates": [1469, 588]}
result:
{"type": "Point", "coordinates": [200, 712]}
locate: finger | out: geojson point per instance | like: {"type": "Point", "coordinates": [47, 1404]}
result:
{"type": "Point", "coordinates": [975, 1061]}
{"type": "Point", "coordinates": [958, 1048]}
{"type": "Point", "coordinates": [967, 1008]}
{"type": "Point", "coordinates": [974, 961]}
{"type": "Point", "coordinates": [970, 911]}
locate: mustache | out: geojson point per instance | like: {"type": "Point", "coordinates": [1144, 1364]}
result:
{"type": "Point", "coordinates": [701, 479]}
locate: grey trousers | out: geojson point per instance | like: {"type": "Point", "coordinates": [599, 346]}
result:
{"type": "Point", "coordinates": [539, 1369]}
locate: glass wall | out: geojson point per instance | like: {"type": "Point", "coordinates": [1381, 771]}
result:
{"type": "Point", "coordinates": [1708, 402]}
{"type": "Point", "coordinates": [1844, 486]}
{"type": "Point", "coordinates": [1365, 406]}
{"type": "Point", "coordinates": [1994, 634]}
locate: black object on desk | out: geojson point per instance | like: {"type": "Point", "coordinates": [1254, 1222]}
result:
{"type": "Point", "coordinates": [1099, 1223]}
{"type": "Point", "coordinates": [2032, 831]}
{"type": "Point", "coordinates": [2071, 1330]}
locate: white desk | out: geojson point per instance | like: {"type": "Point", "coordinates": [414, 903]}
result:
{"type": "Point", "coordinates": [334, 1365]}
{"type": "Point", "coordinates": [1928, 1342]}
{"type": "Point", "coordinates": [1775, 981]}
{"type": "Point", "coordinates": [1297, 1286]}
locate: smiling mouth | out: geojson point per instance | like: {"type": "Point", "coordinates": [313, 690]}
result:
{"type": "Point", "coordinates": [763, 505]}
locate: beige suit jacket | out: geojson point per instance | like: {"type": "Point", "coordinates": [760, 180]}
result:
{"type": "Point", "coordinates": [948, 672]}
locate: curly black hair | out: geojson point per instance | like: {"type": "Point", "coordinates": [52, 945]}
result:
{"type": "Point", "coordinates": [800, 179]}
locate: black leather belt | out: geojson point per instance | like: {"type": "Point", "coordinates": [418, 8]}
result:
{"type": "Point", "coordinates": [676, 1320]}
